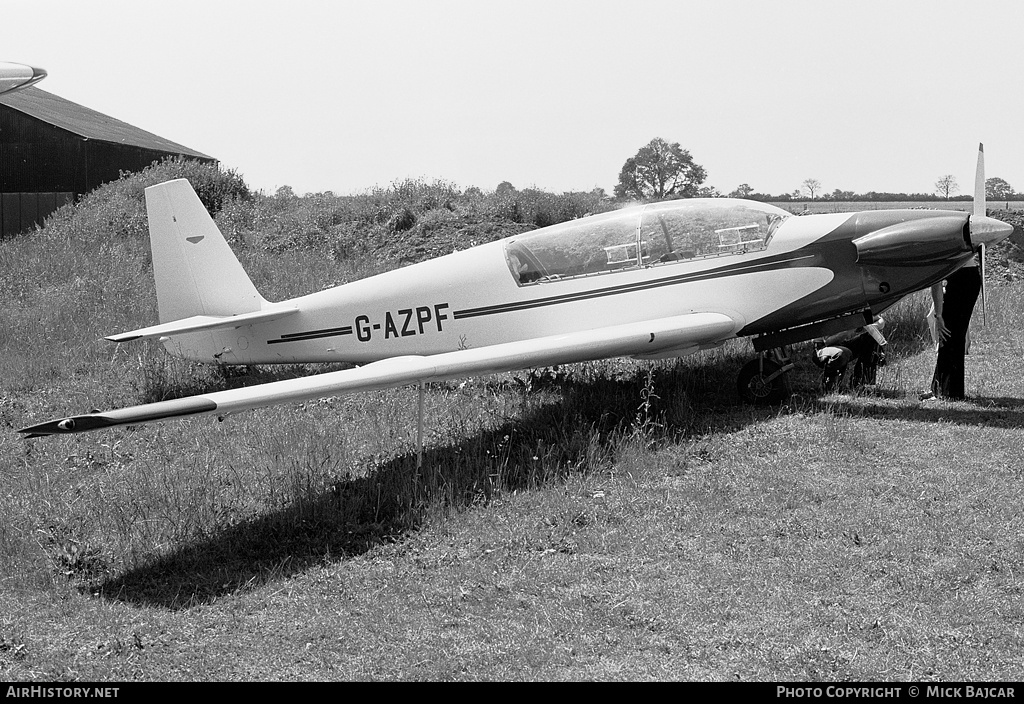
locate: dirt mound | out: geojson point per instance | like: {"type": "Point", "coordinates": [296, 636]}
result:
{"type": "Point", "coordinates": [435, 236]}
{"type": "Point", "coordinates": [1005, 261]}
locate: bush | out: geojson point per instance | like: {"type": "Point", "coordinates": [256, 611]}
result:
{"type": "Point", "coordinates": [118, 208]}
{"type": "Point", "coordinates": [403, 219]}
{"type": "Point", "coordinates": [215, 187]}
{"type": "Point", "coordinates": [541, 208]}
{"type": "Point", "coordinates": [411, 219]}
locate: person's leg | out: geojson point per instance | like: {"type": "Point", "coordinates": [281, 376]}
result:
{"type": "Point", "coordinates": [865, 358]}
{"type": "Point", "coordinates": [962, 288]}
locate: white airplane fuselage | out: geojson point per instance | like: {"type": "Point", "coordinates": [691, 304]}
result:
{"type": "Point", "coordinates": [807, 270]}
{"type": "Point", "coordinates": [660, 280]}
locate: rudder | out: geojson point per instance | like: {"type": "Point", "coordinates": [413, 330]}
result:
{"type": "Point", "coordinates": [195, 270]}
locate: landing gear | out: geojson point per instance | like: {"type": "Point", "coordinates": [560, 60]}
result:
{"type": "Point", "coordinates": [763, 381]}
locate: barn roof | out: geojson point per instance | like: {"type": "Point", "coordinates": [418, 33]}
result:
{"type": "Point", "coordinates": [88, 123]}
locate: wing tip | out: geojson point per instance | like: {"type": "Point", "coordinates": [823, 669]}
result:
{"type": "Point", "coordinates": [134, 415]}
{"type": "Point", "coordinates": [66, 426]}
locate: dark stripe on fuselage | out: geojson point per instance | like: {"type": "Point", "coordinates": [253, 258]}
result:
{"type": "Point", "coordinates": [312, 334]}
{"type": "Point", "coordinates": [779, 261]}
{"type": "Point", "coordinates": [771, 263]}
{"type": "Point", "coordinates": [846, 292]}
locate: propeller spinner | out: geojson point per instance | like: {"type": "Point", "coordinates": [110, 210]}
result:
{"type": "Point", "coordinates": [983, 229]}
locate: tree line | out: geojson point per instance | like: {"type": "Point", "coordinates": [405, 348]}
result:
{"type": "Point", "coordinates": [663, 170]}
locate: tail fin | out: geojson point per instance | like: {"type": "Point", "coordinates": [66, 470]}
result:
{"type": "Point", "coordinates": [196, 272]}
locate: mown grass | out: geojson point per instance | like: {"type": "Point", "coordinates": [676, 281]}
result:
{"type": "Point", "coordinates": [616, 520]}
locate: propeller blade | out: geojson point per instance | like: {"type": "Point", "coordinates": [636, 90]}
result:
{"type": "Point", "coordinates": [979, 224]}
{"type": "Point", "coordinates": [984, 313]}
{"type": "Point", "coordinates": [984, 230]}
{"type": "Point", "coordinates": [979, 183]}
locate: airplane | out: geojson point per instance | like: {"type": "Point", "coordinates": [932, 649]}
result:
{"type": "Point", "coordinates": [660, 280]}
{"type": "Point", "coordinates": [17, 76]}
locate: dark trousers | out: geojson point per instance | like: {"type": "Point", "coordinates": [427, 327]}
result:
{"type": "Point", "coordinates": [962, 289]}
{"type": "Point", "coordinates": [867, 355]}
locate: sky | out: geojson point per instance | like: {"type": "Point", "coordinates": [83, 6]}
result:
{"type": "Point", "coordinates": [346, 96]}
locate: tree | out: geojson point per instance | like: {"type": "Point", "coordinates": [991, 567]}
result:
{"type": "Point", "coordinates": [998, 189]}
{"type": "Point", "coordinates": [812, 186]}
{"type": "Point", "coordinates": [505, 189]}
{"type": "Point", "coordinates": [660, 170]}
{"type": "Point", "coordinates": [742, 191]}
{"type": "Point", "coordinates": [947, 186]}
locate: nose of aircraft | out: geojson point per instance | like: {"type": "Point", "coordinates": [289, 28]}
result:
{"type": "Point", "coordinates": [16, 76]}
{"type": "Point", "coordinates": [988, 231]}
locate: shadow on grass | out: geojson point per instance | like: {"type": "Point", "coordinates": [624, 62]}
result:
{"type": "Point", "coordinates": [998, 412]}
{"type": "Point", "coordinates": [588, 417]}
{"type": "Point", "coordinates": [578, 430]}
{"type": "Point", "coordinates": [163, 377]}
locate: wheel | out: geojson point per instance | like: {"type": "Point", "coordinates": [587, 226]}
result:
{"type": "Point", "coordinates": [762, 382]}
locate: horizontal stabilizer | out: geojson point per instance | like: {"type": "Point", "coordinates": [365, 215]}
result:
{"type": "Point", "coordinates": [645, 338]}
{"type": "Point", "coordinates": [202, 322]}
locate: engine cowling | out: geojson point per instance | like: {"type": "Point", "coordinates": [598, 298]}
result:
{"type": "Point", "coordinates": [919, 242]}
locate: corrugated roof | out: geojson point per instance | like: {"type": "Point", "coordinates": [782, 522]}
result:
{"type": "Point", "coordinates": [88, 123]}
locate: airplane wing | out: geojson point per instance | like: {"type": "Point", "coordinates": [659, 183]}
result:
{"type": "Point", "coordinates": [202, 322]}
{"type": "Point", "coordinates": [678, 334]}
{"type": "Point", "coordinates": [17, 76]}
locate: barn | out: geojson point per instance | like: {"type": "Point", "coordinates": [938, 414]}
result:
{"type": "Point", "coordinates": [53, 150]}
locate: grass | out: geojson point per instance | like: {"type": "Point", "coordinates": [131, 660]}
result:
{"type": "Point", "coordinates": [611, 521]}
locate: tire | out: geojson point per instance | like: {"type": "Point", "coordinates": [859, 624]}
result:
{"type": "Point", "coordinates": [753, 388]}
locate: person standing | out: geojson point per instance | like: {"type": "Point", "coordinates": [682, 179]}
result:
{"type": "Point", "coordinates": [952, 307]}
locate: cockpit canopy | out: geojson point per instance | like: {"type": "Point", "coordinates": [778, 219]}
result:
{"type": "Point", "coordinates": [653, 235]}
